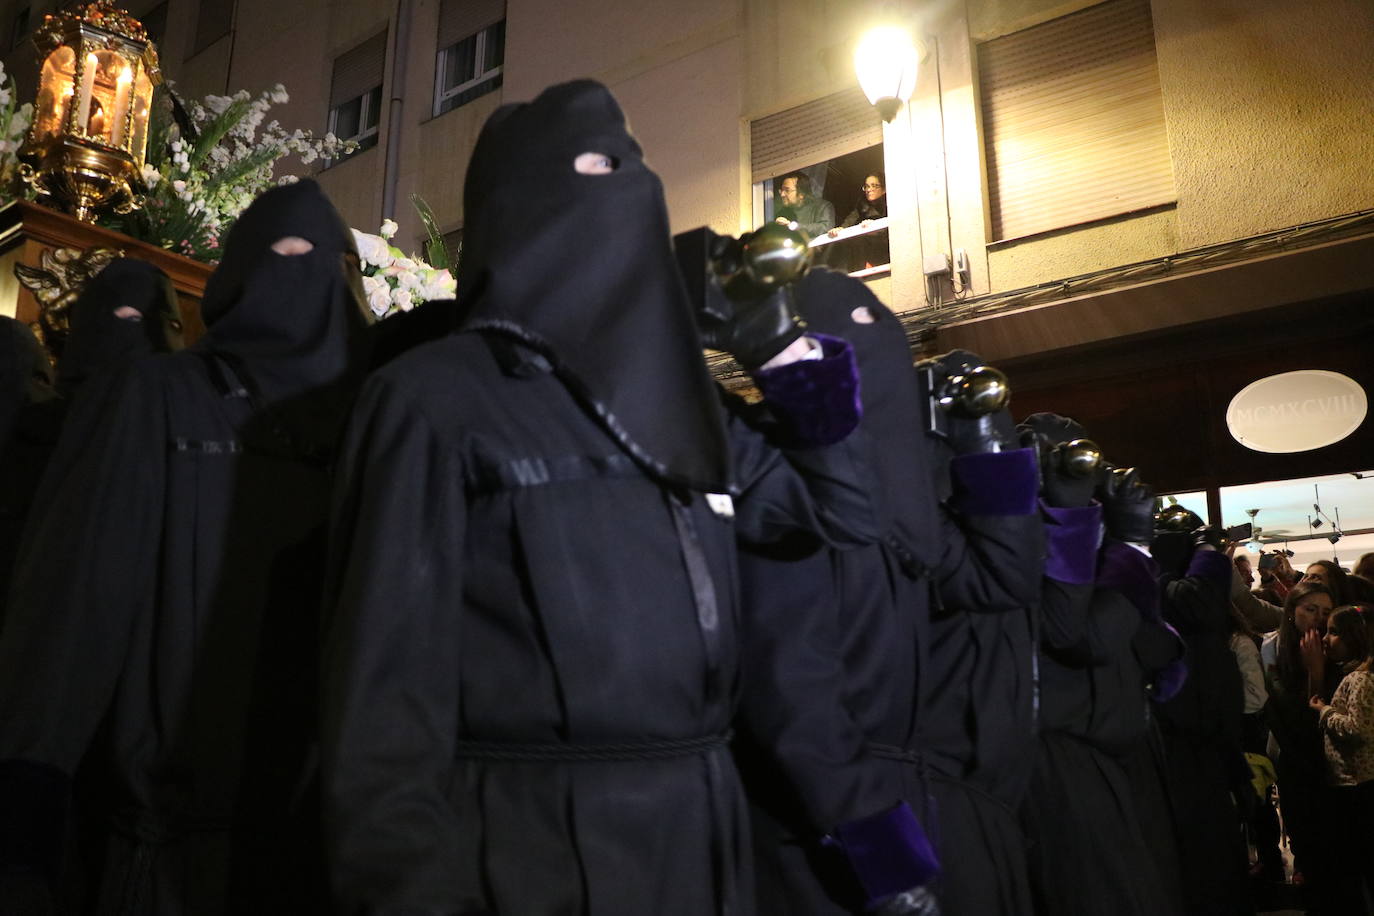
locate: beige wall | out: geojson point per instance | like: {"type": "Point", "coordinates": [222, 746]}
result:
{"type": "Point", "coordinates": [1270, 115]}
{"type": "Point", "coordinates": [1268, 107]}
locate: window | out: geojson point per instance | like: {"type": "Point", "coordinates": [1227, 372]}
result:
{"type": "Point", "coordinates": [469, 68]}
{"type": "Point", "coordinates": [355, 97]}
{"type": "Point", "coordinates": [833, 146]}
{"type": "Point", "coordinates": [1073, 120]}
{"type": "Point", "coordinates": [155, 23]}
{"type": "Point", "coordinates": [19, 31]}
{"type": "Point", "coordinates": [214, 19]}
{"type": "Point", "coordinates": [358, 119]}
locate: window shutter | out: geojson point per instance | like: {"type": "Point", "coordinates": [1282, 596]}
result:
{"type": "Point", "coordinates": [359, 70]}
{"type": "Point", "coordinates": [213, 21]}
{"type": "Point", "coordinates": [1073, 120]}
{"type": "Point", "coordinates": [460, 18]}
{"type": "Point", "coordinates": [824, 129]}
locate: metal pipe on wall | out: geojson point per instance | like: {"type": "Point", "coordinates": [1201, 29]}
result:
{"type": "Point", "coordinates": [391, 175]}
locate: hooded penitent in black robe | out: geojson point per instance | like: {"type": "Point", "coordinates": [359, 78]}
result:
{"type": "Point", "coordinates": [101, 342]}
{"type": "Point", "coordinates": [1201, 727]}
{"type": "Point", "coordinates": [27, 432]}
{"type": "Point", "coordinates": [531, 666]}
{"type": "Point", "coordinates": [1088, 851]}
{"type": "Point", "coordinates": [979, 709]}
{"type": "Point", "coordinates": [163, 613]}
{"type": "Point", "coordinates": [838, 642]}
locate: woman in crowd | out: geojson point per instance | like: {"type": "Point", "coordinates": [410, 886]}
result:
{"type": "Point", "coordinates": [1330, 574]}
{"type": "Point", "coordinates": [1294, 671]}
{"type": "Point", "coordinates": [1347, 727]}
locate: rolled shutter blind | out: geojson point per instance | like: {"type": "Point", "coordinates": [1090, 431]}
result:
{"type": "Point", "coordinates": [824, 129]}
{"type": "Point", "coordinates": [460, 18]}
{"type": "Point", "coordinates": [358, 71]}
{"type": "Point", "coordinates": [1073, 120]}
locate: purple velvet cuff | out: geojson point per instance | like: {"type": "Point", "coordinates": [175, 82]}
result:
{"type": "Point", "coordinates": [1134, 574]}
{"type": "Point", "coordinates": [996, 483]}
{"type": "Point", "coordinates": [889, 852]}
{"type": "Point", "coordinates": [817, 400]}
{"type": "Point", "coordinates": [1212, 564]}
{"type": "Point", "coordinates": [1072, 537]}
{"type": "Point", "coordinates": [1169, 680]}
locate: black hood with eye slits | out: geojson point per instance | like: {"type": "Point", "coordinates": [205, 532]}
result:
{"type": "Point", "coordinates": [581, 269]}
{"type": "Point", "coordinates": [288, 323]}
{"type": "Point", "coordinates": [100, 340]}
{"type": "Point", "coordinates": [893, 411]}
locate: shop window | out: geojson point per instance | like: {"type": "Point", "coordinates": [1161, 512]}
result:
{"type": "Point", "coordinates": [1318, 518]}
{"type": "Point", "coordinates": [472, 51]}
{"type": "Point", "coordinates": [1073, 121]}
{"type": "Point", "coordinates": [828, 149]}
{"type": "Point", "coordinates": [355, 98]}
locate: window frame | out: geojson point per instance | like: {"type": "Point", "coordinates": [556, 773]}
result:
{"type": "Point", "coordinates": [364, 110]}
{"type": "Point", "coordinates": [442, 95]}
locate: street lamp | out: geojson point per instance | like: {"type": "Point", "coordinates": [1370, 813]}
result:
{"type": "Point", "coordinates": [886, 61]}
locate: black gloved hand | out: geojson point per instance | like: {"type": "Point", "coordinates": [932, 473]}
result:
{"type": "Point", "coordinates": [1070, 465]}
{"type": "Point", "coordinates": [972, 420]}
{"type": "Point", "coordinates": [1128, 507]}
{"type": "Point", "coordinates": [753, 332]}
{"type": "Point", "coordinates": [1209, 536]}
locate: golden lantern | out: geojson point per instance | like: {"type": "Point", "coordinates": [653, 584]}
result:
{"type": "Point", "coordinates": [89, 137]}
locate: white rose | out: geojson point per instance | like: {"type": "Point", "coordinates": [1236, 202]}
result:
{"type": "Point", "coordinates": [372, 249]}
{"type": "Point", "coordinates": [179, 186]}
{"type": "Point", "coordinates": [389, 228]}
{"type": "Point", "coordinates": [403, 299]}
{"type": "Point", "coordinates": [438, 284]}
{"type": "Point", "coordinates": [378, 295]}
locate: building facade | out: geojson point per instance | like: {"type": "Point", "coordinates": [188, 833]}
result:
{"type": "Point", "coordinates": [1106, 196]}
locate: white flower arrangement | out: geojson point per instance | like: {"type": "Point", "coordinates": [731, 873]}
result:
{"type": "Point", "coordinates": [199, 181]}
{"type": "Point", "coordinates": [393, 282]}
{"type": "Point", "coordinates": [14, 122]}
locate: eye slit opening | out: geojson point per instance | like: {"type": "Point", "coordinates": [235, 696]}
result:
{"type": "Point", "coordinates": [292, 245]}
{"type": "Point", "coordinates": [593, 163]}
{"type": "Point", "coordinates": [128, 313]}
{"type": "Point", "coordinates": [863, 315]}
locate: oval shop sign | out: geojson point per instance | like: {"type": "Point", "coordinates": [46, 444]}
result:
{"type": "Point", "coordinates": [1296, 411]}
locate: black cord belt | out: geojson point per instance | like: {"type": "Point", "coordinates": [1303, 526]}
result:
{"type": "Point", "coordinates": [551, 752]}
{"type": "Point", "coordinates": [892, 752]}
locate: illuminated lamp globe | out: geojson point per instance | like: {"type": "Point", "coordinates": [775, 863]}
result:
{"type": "Point", "coordinates": [886, 61]}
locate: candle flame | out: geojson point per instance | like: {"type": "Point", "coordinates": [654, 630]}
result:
{"type": "Point", "coordinates": [126, 75]}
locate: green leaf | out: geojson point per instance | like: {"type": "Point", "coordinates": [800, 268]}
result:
{"type": "Point", "coordinates": [220, 125]}
{"type": "Point", "coordinates": [434, 246]}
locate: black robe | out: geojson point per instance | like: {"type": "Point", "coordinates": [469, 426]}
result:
{"type": "Point", "coordinates": [1201, 727]}
{"type": "Point", "coordinates": [1088, 852]}
{"type": "Point", "coordinates": [532, 666]}
{"type": "Point", "coordinates": [840, 705]}
{"type": "Point", "coordinates": [164, 611]}
{"type": "Point", "coordinates": [30, 417]}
